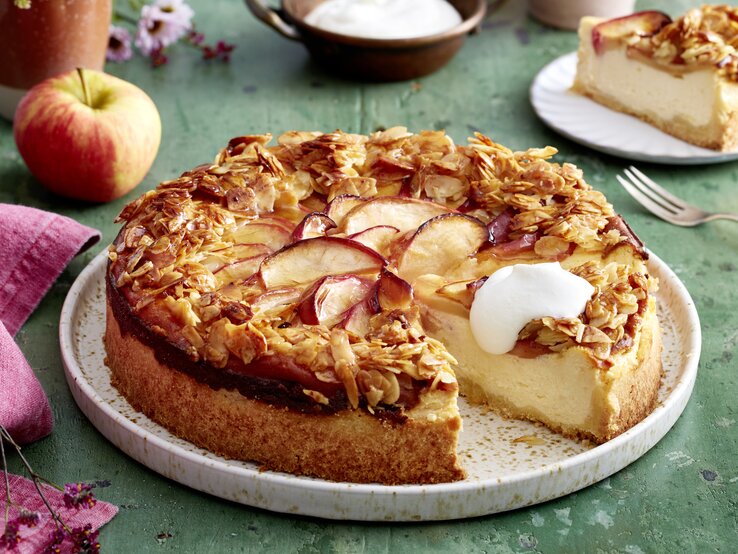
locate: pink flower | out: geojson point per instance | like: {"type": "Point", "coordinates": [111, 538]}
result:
{"type": "Point", "coordinates": [178, 9]}
{"type": "Point", "coordinates": [158, 58]}
{"type": "Point", "coordinates": [57, 538]}
{"type": "Point", "coordinates": [162, 24]}
{"type": "Point", "coordinates": [79, 495]}
{"type": "Point", "coordinates": [10, 537]}
{"type": "Point", "coordinates": [85, 540]}
{"type": "Point", "coordinates": [119, 45]}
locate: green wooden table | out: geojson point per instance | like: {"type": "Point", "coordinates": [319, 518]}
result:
{"type": "Point", "coordinates": [680, 496]}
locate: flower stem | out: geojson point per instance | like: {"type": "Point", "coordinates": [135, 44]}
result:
{"type": "Point", "coordinates": [35, 477]}
{"type": "Point", "coordinates": [117, 14]}
{"type": "Point", "coordinates": [85, 90]}
{"type": "Point", "coordinates": [8, 500]}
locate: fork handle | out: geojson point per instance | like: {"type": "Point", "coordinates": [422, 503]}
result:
{"type": "Point", "coordinates": [732, 217]}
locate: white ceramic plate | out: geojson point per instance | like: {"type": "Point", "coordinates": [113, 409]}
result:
{"type": "Point", "coordinates": [591, 124]}
{"type": "Point", "coordinates": [503, 473]}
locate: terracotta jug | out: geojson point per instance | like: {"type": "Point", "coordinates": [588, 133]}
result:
{"type": "Point", "coordinates": [50, 37]}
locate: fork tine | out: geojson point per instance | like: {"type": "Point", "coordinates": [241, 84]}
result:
{"type": "Point", "coordinates": [652, 194]}
{"type": "Point", "coordinates": [646, 201]}
{"type": "Point", "coordinates": [678, 202]}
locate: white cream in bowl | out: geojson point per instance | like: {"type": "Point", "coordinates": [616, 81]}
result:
{"type": "Point", "coordinates": [384, 19]}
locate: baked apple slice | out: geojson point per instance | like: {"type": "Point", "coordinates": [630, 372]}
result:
{"type": "Point", "coordinates": [273, 302]}
{"type": "Point", "coordinates": [357, 317]}
{"type": "Point", "coordinates": [277, 220]}
{"type": "Point", "coordinates": [294, 214]}
{"type": "Point", "coordinates": [272, 236]}
{"type": "Point", "coordinates": [230, 254]}
{"type": "Point", "coordinates": [642, 24]}
{"type": "Point", "coordinates": [516, 248]}
{"type": "Point", "coordinates": [405, 214]}
{"type": "Point", "coordinates": [330, 297]}
{"type": "Point", "coordinates": [462, 291]}
{"type": "Point", "coordinates": [308, 260]}
{"type": "Point", "coordinates": [239, 270]}
{"type": "Point", "coordinates": [501, 227]}
{"type": "Point", "coordinates": [440, 245]}
{"type": "Point", "coordinates": [313, 225]}
{"type": "Point", "coordinates": [341, 205]}
{"type": "Point", "coordinates": [243, 251]}
{"type": "Point", "coordinates": [377, 238]}
{"type": "Point", "coordinates": [392, 292]}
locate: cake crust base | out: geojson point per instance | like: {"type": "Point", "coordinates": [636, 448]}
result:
{"type": "Point", "coordinates": [351, 445]}
{"type": "Point", "coordinates": [724, 141]}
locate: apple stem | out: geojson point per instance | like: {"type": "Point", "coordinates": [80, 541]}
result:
{"type": "Point", "coordinates": [85, 90]}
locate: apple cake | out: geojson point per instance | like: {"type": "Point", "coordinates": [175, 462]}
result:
{"type": "Point", "coordinates": [680, 76]}
{"type": "Point", "coordinates": [306, 305]}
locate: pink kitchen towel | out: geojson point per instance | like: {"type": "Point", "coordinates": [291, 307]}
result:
{"type": "Point", "coordinates": [35, 247]}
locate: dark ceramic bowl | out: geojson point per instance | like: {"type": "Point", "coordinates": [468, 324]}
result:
{"type": "Point", "coordinates": [370, 59]}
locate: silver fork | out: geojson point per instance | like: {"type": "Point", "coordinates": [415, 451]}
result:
{"type": "Point", "coordinates": [663, 204]}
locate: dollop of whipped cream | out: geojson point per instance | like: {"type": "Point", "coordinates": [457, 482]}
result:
{"type": "Point", "coordinates": [384, 19]}
{"type": "Point", "coordinates": [515, 295]}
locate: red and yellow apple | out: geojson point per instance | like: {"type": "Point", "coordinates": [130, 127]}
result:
{"type": "Point", "coordinates": [87, 135]}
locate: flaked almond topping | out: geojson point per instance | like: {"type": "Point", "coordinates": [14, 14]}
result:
{"type": "Point", "coordinates": [701, 37]}
{"type": "Point", "coordinates": [192, 253]}
{"type": "Point", "coordinates": [345, 364]}
{"type": "Point", "coordinates": [318, 397]}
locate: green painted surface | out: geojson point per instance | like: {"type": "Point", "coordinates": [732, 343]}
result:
{"type": "Point", "coordinates": [682, 496]}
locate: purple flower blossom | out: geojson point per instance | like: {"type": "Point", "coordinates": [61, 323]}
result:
{"type": "Point", "coordinates": [84, 540]}
{"type": "Point", "coordinates": [56, 539]}
{"type": "Point", "coordinates": [79, 495]}
{"type": "Point", "coordinates": [221, 51]}
{"type": "Point", "coordinates": [158, 57]}
{"type": "Point", "coordinates": [195, 38]}
{"type": "Point", "coordinates": [119, 45]}
{"type": "Point", "coordinates": [10, 537]}
{"type": "Point", "coordinates": [162, 24]}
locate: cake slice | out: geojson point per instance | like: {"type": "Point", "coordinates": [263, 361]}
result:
{"type": "Point", "coordinates": [680, 76]}
{"type": "Point", "coordinates": [557, 374]}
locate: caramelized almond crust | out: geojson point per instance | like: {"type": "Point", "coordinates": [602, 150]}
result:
{"type": "Point", "coordinates": [350, 445]}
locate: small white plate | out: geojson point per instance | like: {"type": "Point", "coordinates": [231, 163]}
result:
{"type": "Point", "coordinates": [503, 473]}
{"type": "Point", "coordinates": [591, 124]}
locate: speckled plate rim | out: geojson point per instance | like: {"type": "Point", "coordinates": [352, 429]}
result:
{"type": "Point", "coordinates": [581, 119]}
{"type": "Point", "coordinates": [368, 502]}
